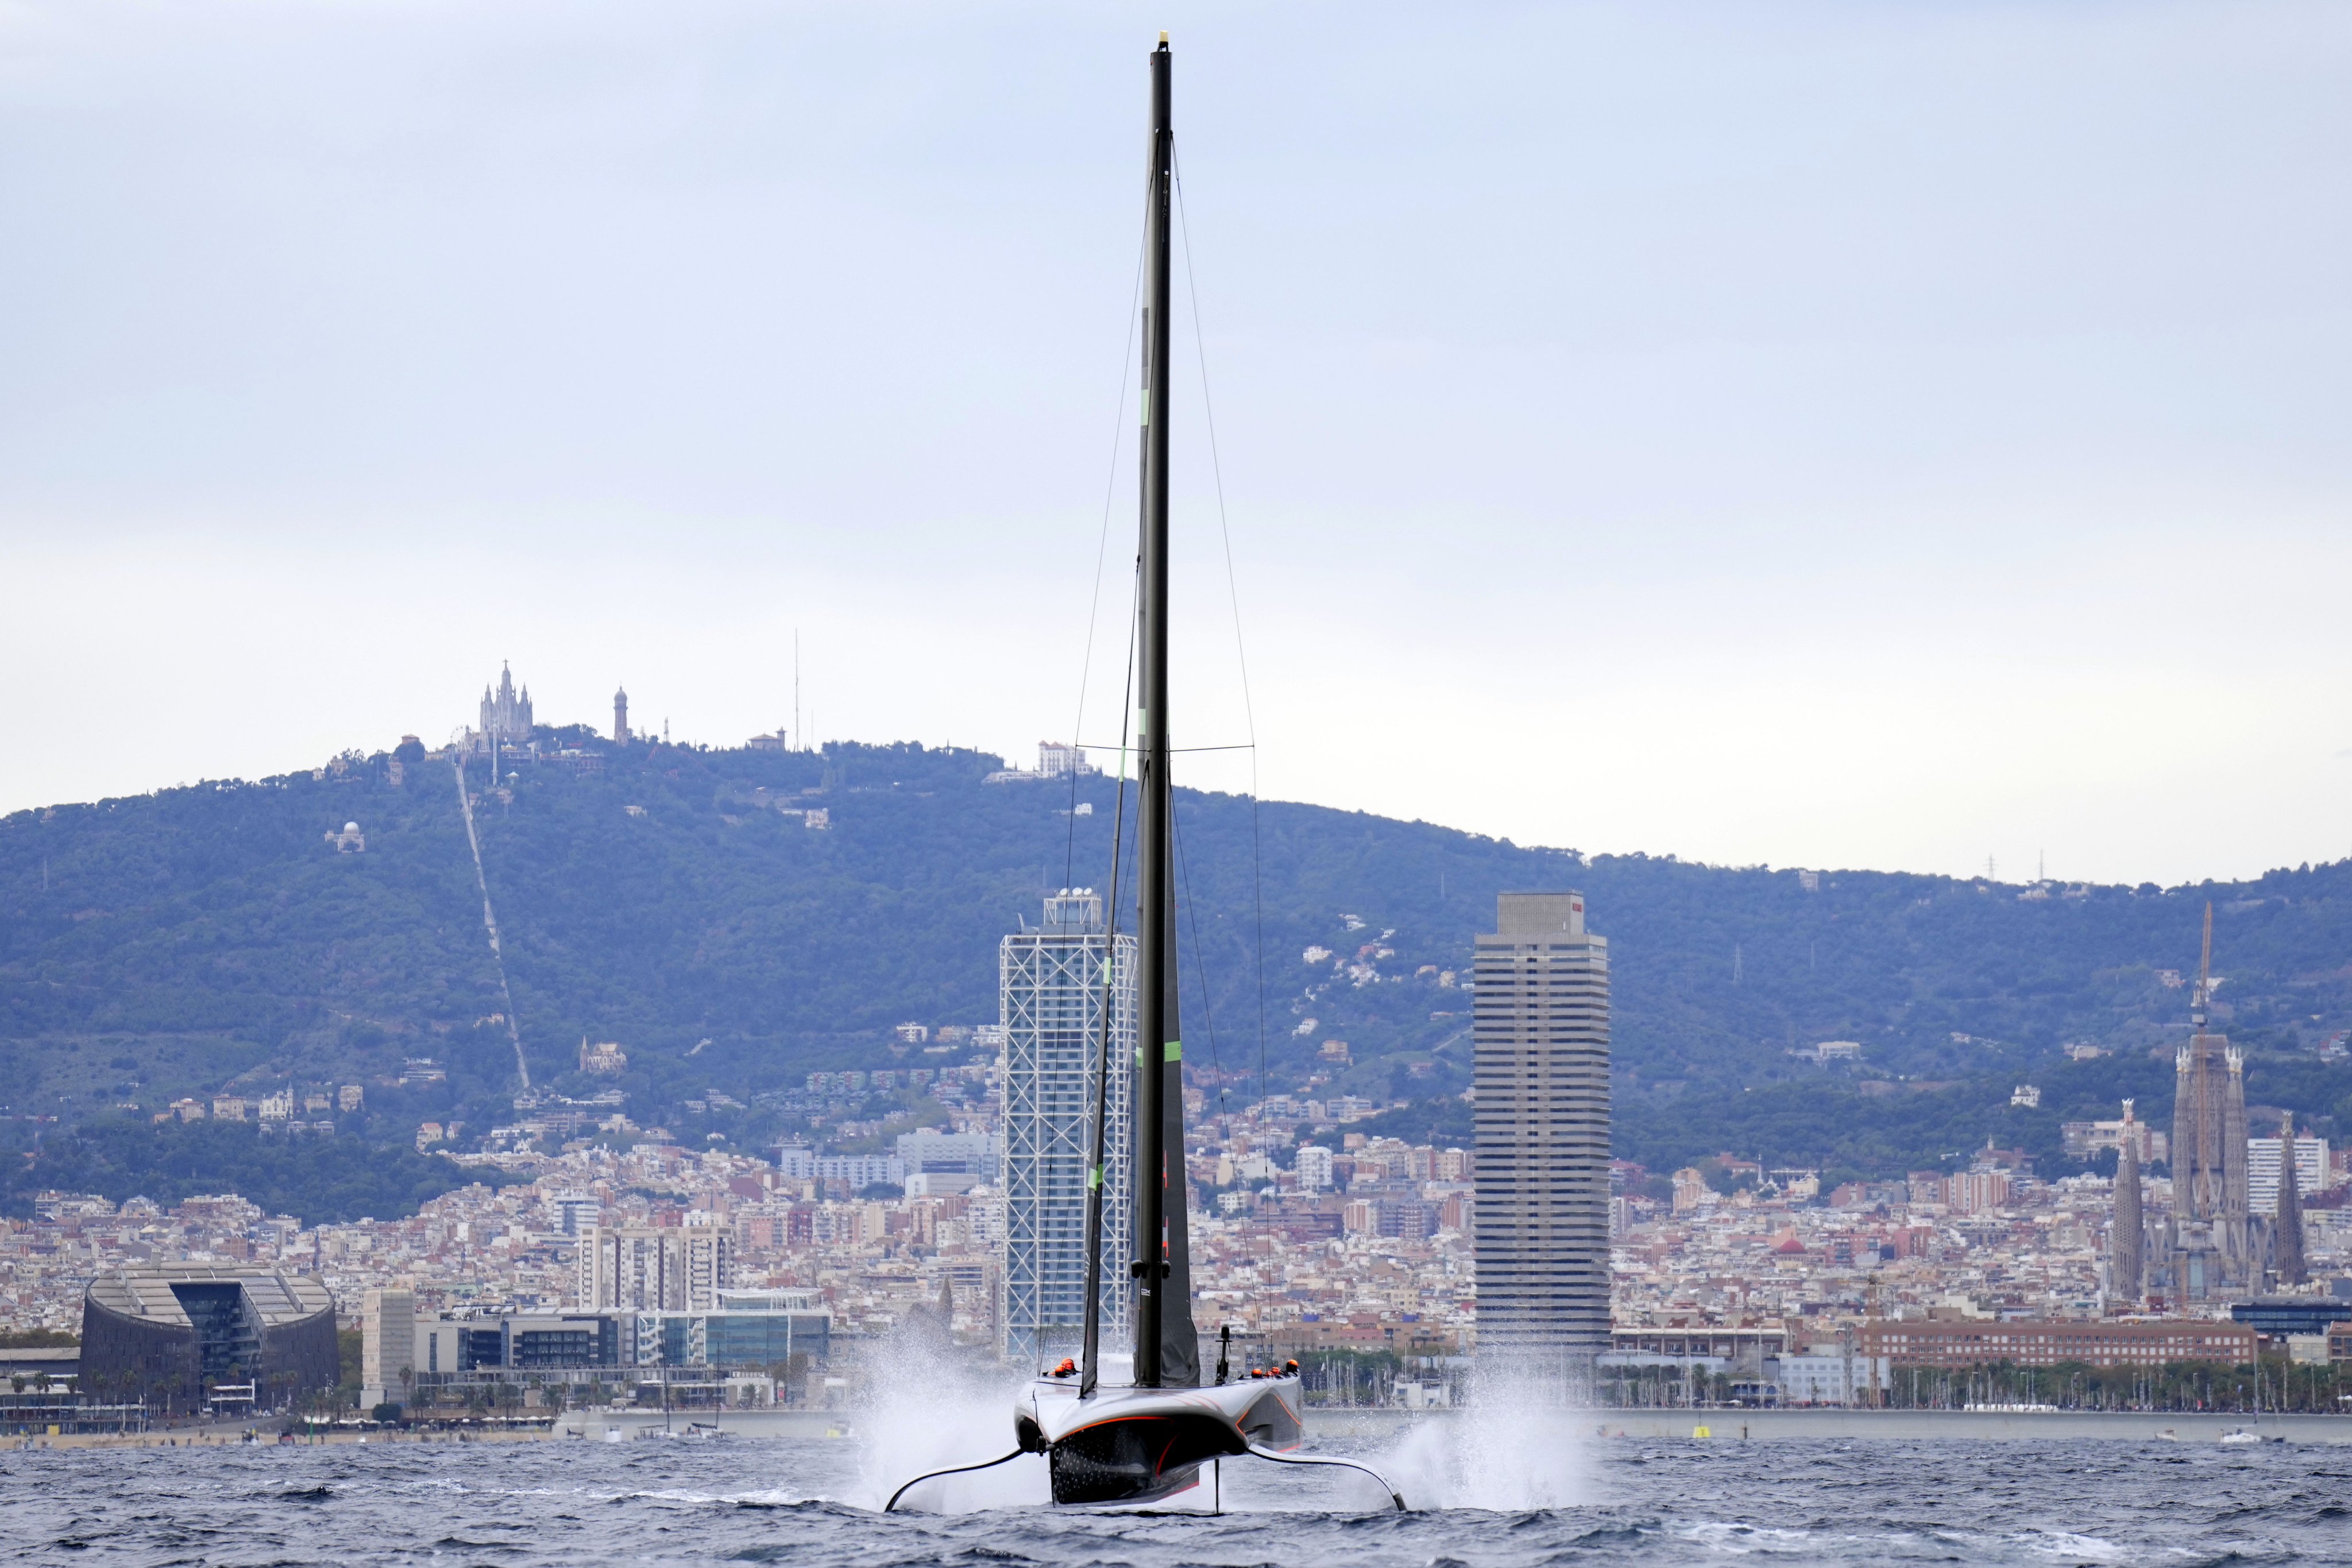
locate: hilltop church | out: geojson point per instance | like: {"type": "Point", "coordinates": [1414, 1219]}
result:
{"type": "Point", "coordinates": [506, 716]}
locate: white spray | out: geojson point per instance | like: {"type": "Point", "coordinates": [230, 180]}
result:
{"type": "Point", "coordinates": [929, 1409]}
{"type": "Point", "coordinates": [1500, 1453]}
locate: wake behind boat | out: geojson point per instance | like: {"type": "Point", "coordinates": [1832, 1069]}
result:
{"type": "Point", "coordinates": [1138, 1441]}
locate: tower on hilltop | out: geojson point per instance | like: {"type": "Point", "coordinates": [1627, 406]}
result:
{"type": "Point", "coordinates": [506, 714]}
{"type": "Point", "coordinates": [620, 716]}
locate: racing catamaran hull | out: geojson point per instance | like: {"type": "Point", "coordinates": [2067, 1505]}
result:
{"type": "Point", "coordinates": [1137, 1446]}
{"type": "Point", "coordinates": [1129, 1447]}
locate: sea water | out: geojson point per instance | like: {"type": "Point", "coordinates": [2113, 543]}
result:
{"type": "Point", "coordinates": [1528, 1497]}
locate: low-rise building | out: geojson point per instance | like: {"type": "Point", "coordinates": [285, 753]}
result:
{"type": "Point", "coordinates": [184, 1335]}
{"type": "Point", "coordinates": [2050, 1342]}
{"type": "Point", "coordinates": [1833, 1374]}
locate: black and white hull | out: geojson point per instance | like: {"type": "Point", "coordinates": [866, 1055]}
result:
{"type": "Point", "coordinates": [1139, 1445]}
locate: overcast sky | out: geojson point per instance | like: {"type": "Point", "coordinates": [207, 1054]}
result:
{"type": "Point", "coordinates": [1883, 436]}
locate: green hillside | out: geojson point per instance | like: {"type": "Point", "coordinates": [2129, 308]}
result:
{"type": "Point", "coordinates": [211, 939]}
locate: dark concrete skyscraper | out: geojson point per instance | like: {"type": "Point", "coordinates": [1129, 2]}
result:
{"type": "Point", "coordinates": [1542, 1081]}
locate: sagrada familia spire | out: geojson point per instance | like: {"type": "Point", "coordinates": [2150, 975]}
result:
{"type": "Point", "coordinates": [2213, 1250]}
{"type": "Point", "coordinates": [2286, 1232]}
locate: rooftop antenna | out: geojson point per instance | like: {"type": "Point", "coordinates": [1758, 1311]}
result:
{"type": "Point", "coordinates": [796, 689]}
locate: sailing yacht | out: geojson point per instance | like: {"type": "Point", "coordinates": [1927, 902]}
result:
{"type": "Point", "coordinates": [1136, 1441]}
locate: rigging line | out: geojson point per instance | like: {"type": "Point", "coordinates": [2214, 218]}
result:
{"type": "Point", "coordinates": [1172, 750]}
{"type": "Point", "coordinates": [1233, 593]}
{"type": "Point", "coordinates": [1102, 543]}
{"type": "Point", "coordinates": [1192, 914]}
{"type": "Point", "coordinates": [1099, 1167]}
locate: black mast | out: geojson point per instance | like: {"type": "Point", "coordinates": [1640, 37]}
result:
{"type": "Point", "coordinates": [1162, 1305]}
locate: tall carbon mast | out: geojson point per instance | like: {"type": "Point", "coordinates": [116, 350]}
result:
{"type": "Point", "coordinates": [1136, 1444]}
{"type": "Point", "coordinates": [1167, 1351]}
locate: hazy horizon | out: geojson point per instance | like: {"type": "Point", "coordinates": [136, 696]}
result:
{"type": "Point", "coordinates": [1816, 435]}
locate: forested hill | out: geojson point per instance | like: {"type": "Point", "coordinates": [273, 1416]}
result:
{"type": "Point", "coordinates": [200, 939]}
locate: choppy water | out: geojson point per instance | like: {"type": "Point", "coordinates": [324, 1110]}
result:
{"type": "Point", "coordinates": [812, 1502]}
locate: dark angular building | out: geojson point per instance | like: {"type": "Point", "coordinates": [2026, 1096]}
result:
{"type": "Point", "coordinates": [172, 1332]}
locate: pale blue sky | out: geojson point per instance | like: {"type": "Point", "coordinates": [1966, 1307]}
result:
{"type": "Point", "coordinates": [1827, 434]}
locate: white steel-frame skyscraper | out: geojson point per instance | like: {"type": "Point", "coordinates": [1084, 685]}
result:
{"type": "Point", "coordinates": [1050, 980]}
{"type": "Point", "coordinates": [1541, 1013]}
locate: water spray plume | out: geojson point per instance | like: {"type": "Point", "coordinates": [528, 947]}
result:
{"type": "Point", "coordinates": [930, 1409]}
{"type": "Point", "coordinates": [1509, 1453]}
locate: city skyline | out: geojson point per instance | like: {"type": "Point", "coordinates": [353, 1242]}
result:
{"type": "Point", "coordinates": [729, 1269]}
